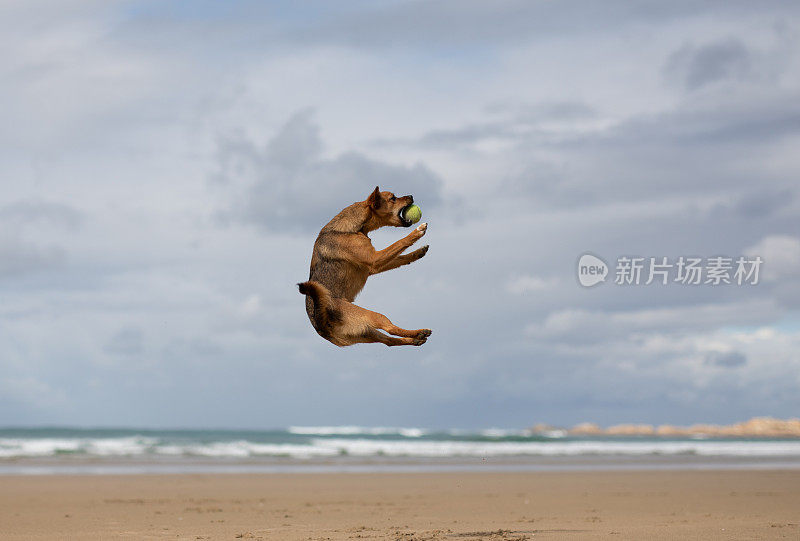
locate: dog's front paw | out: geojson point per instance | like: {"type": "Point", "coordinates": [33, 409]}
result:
{"type": "Point", "coordinates": [421, 229]}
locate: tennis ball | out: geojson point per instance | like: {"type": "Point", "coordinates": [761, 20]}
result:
{"type": "Point", "coordinates": [412, 213]}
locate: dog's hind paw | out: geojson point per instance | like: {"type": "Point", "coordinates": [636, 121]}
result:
{"type": "Point", "coordinates": [421, 338]}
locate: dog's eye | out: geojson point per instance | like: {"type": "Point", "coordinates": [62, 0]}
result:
{"type": "Point", "coordinates": [393, 198]}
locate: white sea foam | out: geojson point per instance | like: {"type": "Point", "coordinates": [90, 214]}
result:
{"type": "Point", "coordinates": [502, 433]}
{"type": "Point", "coordinates": [353, 430]}
{"type": "Point", "coordinates": [321, 446]}
{"type": "Point", "coordinates": [36, 447]}
{"type": "Point", "coordinates": [244, 449]}
{"type": "Point", "coordinates": [363, 447]}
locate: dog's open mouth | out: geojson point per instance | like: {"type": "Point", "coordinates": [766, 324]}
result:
{"type": "Point", "coordinates": [402, 216]}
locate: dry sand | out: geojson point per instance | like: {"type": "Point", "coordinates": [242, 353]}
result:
{"type": "Point", "coordinates": [446, 506]}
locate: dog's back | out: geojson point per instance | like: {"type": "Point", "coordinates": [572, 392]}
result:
{"type": "Point", "coordinates": [332, 263]}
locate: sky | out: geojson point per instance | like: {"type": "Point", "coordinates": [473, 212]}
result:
{"type": "Point", "coordinates": [166, 167]}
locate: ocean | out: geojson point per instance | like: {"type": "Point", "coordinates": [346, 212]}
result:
{"type": "Point", "coordinates": [366, 449]}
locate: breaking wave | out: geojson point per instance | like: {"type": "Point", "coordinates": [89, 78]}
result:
{"type": "Point", "coordinates": [320, 442]}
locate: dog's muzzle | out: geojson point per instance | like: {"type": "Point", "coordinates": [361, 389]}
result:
{"type": "Point", "coordinates": [402, 213]}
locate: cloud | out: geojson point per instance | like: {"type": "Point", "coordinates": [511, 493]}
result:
{"type": "Point", "coordinates": [697, 66]}
{"type": "Point", "coordinates": [761, 203]}
{"type": "Point", "coordinates": [781, 255]}
{"type": "Point", "coordinates": [126, 342]}
{"type": "Point", "coordinates": [19, 258]}
{"type": "Point", "coordinates": [705, 150]}
{"type": "Point", "coordinates": [780, 268]}
{"type": "Point", "coordinates": [472, 23]}
{"type": "Point", "coordinates": [590, 326]}
{"type": "Point", "coordinates": [528, 284]}
{"type": "Point", "coordinates": [726, 359]}
{"type": "Point", "coordinates": [288, 185]}
{"type": "Point", "coordinates": [26, 227]}
{"type": "Point", "coordinates": [37, 211]}
{"type": "Point", "coordinates": [511, 122]}
{"type": "Point", "coordinates": [31, 393]}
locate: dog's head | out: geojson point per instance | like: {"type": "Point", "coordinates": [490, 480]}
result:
{"type": "Point", "coordinates": [387, 208]}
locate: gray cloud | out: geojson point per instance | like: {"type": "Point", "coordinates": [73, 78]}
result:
{"type": "Point", "coordinates": [19, 258]}
{"type": "Point", "coordinates": [781, 256]}
{"type": "Point", "coordinates": [23, 223]}
{"type": "Point", "coordinates": [582, 326]}
{"type": "Point", "coordinates": [708, 150]}
{"type": "Point", "coordinates": [127, 341]}
{"type": "Point", "coordinates": [727, 359]}
{"type": "Point", "coordinates": [458, 23]}
{"type": "Point", "coordinates": [759, 204]}
{"type": "Point", "coordinates": [37, 211]}
{"type": "Point", "coordinates": [697, 66]}
{"type": "Point", "coordinates": [512, 122]}
{"type": "Point", "coordinates": [538, 112]}
{"type": "Point", "coordinates": [289, 185]}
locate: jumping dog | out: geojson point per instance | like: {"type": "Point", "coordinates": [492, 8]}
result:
{"type": "Point", "coordinates": [344, 258]}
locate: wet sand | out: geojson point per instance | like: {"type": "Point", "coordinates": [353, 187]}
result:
{"type": "Point", "coordinates": [416, 506]}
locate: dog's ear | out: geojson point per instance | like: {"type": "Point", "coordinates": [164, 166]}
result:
{"type": "Point", "coordinates": [374, 199]}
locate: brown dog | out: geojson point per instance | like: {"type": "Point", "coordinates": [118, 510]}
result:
{"type": "Point", "coordinates": [342, 261]}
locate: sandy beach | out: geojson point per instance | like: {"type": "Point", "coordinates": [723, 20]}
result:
{"type": "Point", "coordinates": [419, 506]}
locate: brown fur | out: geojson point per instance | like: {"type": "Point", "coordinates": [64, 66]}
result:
{"type": "Point", "coordinates": [342, 261]}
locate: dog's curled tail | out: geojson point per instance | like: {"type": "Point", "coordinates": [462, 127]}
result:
{"type": "Point", "coordinates": [323, 304]}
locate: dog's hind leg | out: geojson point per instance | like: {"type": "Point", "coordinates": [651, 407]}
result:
{"type": "Point", "coordinates": [379, 321]}
{"type": "Point", "coordinates": [374, 335]}
{"type": "Point", "coordinates": [362, 325]}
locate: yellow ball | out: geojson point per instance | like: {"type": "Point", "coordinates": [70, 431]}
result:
{"type": "Point", "coordinates": [412, 213]}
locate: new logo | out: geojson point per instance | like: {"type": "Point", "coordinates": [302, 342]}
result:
{"type": "Point", "coordinates": [591, 270]}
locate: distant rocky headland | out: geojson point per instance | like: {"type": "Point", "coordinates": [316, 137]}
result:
{"type": "Point", "coordinates": [763, 427]}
